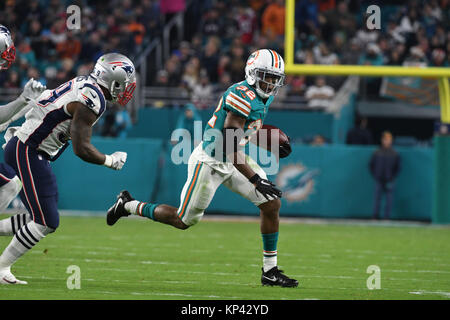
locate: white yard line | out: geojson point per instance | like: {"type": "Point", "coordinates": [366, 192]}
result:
{"type": "Point", "coordinates": [440, 293]}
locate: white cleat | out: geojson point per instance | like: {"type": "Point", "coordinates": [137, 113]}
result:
{"type": "Point", "coordinates": [6, 277]}
{"type": "Point", "coordinates": [9, 191]}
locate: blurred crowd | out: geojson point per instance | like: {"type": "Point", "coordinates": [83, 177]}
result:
{"type": "Point", "coordinates": [327, 32]}
{"type": "Point", "coordinates": [46, 50]}
{"type": "Point", "coordinates": [219, 36]}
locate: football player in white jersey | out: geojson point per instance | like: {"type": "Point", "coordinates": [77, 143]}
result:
{"type": "Point", "coordinates": [65, 113]}
{"type": "Point", "coordinates": [243, 107]}
{"type": "Point", "coordinates": [10, 184]}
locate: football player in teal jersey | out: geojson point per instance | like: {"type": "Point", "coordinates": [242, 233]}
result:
{"type": "Point", "coordinates": [219, 159]}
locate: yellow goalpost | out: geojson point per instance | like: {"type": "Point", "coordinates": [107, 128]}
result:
{"type": "Point", "coordinates": [441, 187]}
{"type": "Point", "coordinates": [441, 74]}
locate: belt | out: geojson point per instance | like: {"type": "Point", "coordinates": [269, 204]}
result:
{"type": "Point", "coordinates": [56, 156]}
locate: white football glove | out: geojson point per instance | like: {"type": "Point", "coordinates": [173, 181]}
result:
{"type": "Point", "coordinates": [32, 90]}
{"type": "Point", "coordinates": [116, 160]}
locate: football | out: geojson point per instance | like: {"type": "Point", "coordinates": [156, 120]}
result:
{"type": "Point", "coordinates": [269, 133]}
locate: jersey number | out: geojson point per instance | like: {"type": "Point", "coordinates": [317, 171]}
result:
{"type": "Point", "coordinates": [56, 94]}
{"type": "Point", "coordinates": [248, 92]}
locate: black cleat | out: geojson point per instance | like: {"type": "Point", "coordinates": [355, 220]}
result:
{"type": "Point", "coordinates": [118, 210]}
{"type": "Point", "coordinates": [275, 277]}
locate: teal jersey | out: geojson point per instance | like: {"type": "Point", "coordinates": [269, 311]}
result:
{"type": "Point", "coordinates": [242, 100]}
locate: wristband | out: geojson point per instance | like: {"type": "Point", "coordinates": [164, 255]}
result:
{"type": "Point", "coordinates": [254, 178]}
{"type": "Point", "coordinates": [108, 161]}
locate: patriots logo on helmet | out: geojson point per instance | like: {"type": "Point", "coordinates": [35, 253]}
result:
{"type": "Point", "coordinates": [128, 69]}
{"type": "Point", "coordinates": [125, 66]}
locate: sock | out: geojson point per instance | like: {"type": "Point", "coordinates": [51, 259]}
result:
{"type": "Point", "coordinates": [11, 225]}
{"type": "Point", "coordinates": [142, 209]}
{"type": "Point", "coordinates": [25, 239]}
{"type": "Point", "coordinates": [270, 241]}
{"type": "Point", "coordinates": [131, 206]}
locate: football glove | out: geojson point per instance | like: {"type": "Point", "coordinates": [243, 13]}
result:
{"type": "Point", "coordinates": [285, 148]}
{"type": "Point", "coordinates": [116, 160]}
{"type": "Point", "coordinates": [265, 187]}
{"type": "Point", "coordinates": [32, 90]}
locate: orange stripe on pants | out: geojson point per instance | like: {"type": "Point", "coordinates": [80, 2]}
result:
{"type": "Point", "coordinates": [197, 169]}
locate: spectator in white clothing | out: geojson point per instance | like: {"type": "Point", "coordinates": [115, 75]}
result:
{"type": "Point", "coordinates": [319, 96]}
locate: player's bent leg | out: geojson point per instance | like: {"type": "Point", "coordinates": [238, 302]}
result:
{"type": "Point", "coordinates": [196, 196]}
{"type": "Point", "coordinates": [39, 195]}
{"type": "Point", "coordinates": [126, 205]}
{"type": "Point", "coordinates": [25, 239]}
{"type": "Point", "coordinates": [167, 214]}
{"type": "Point", "coordinates": [198, 192]}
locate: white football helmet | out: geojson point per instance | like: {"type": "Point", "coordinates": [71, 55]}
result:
{"type": "Point", "coordinates": [265, 67]}
{"type": "Point", "coordinates": [7, 49]}
{"type": "Point", "coordinates": [115, 72]}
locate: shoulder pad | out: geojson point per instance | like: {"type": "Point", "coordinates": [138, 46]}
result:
{"type": "Point", "coordinates": [239, 99]}
{"type": "Point", "coordinates": [92, 97]}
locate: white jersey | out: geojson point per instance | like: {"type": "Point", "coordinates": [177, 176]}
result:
{"type": "Point", "coordinates": [47, 124]}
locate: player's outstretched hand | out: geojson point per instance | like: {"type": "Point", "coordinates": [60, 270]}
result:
{"type": "Point", "coordinates": [266, 187]}
{"type": "Point", "coordinates": [32, 90]}
{"type": "Point", "coordinates": [116, 160]}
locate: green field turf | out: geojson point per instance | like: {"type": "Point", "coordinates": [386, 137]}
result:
{"type": "Point", "coordinates": [140, 259]}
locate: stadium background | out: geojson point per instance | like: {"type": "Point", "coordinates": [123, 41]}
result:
{"type": "Point", "coordinates": [188, 52]}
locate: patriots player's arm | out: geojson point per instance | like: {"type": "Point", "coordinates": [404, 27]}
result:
{"type": "Point", "coordinates": [17, 108]}
{"type": "Point", "coordinates": [81, 132]}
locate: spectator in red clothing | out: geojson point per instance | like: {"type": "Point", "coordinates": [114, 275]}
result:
{"type": "Point", "coordinates": [325, 5]}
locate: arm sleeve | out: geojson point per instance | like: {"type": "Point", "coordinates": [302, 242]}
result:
{"type": "Point", "coordinates": [8, 110]}
{"type": "Point", "coordinates": [237, 104]}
